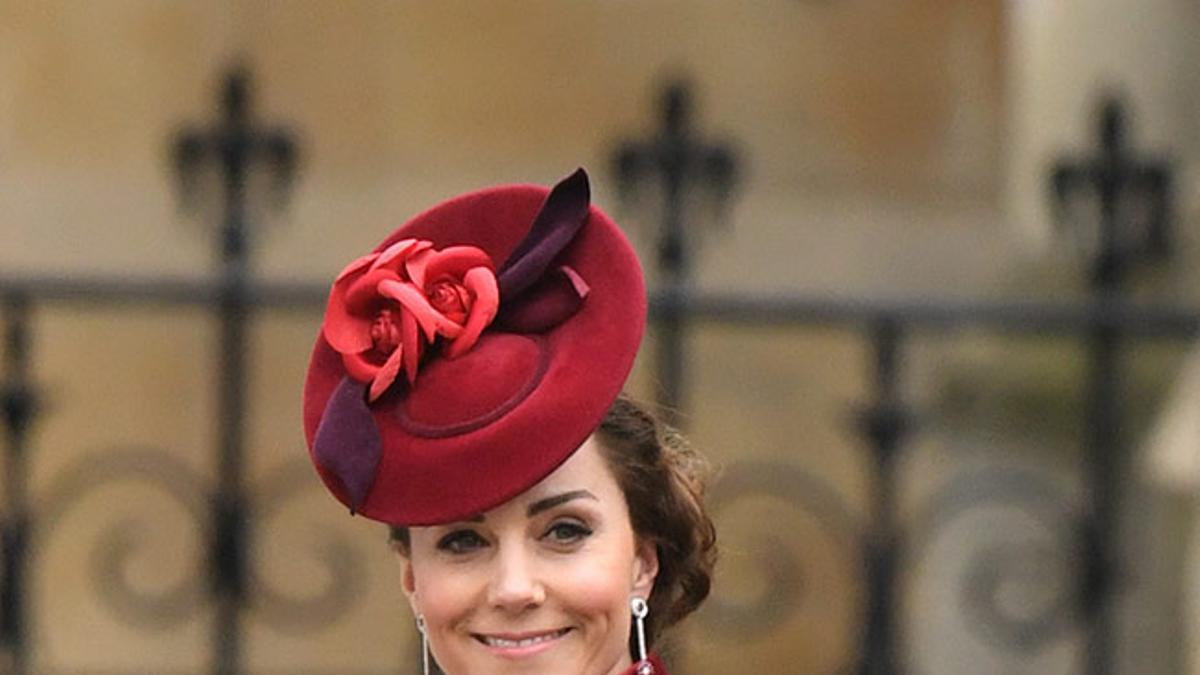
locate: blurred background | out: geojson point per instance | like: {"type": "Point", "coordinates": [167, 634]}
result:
{"type": "Point", "coordinates": [923, 280]}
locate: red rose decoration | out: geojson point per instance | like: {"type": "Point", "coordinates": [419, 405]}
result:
{"type": "Point", "coordinates": [386, 308]}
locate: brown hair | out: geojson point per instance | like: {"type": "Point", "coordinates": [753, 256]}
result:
{"type": "Point", "coordinates": [663, 480]}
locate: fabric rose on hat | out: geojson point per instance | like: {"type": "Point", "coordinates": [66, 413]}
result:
{"type": "Point", "coordinates": [387, 308]}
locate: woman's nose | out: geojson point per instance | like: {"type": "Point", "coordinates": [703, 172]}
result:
{"type": "Point", "coordinates": [515, 584]}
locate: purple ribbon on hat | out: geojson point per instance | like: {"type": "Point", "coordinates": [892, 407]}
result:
{"type": "Point", "coordinates": [533, 299]}
{"type": "Point", "coordinates": [347, 441]}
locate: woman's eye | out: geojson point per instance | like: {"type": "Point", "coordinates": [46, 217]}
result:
{"type": "Point", "coordinates": [567, 532]}
{"type": "Point", "coordinates": [462, 541]}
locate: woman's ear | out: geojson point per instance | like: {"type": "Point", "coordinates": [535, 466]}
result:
{"type": "Point", "coordinates": [408, 582]}
{"type": "Point", "coordinates": [645, 567]}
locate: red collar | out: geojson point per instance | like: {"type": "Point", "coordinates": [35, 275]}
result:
{"type": "Point", "coordinates": [656, 667]}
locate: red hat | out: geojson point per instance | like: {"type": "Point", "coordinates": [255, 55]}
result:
{"type": "Point", "coordinates": [472, 353]}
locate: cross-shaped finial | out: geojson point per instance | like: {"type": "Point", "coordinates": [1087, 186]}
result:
{"type": "Point", "coordinates": [681, 162]}
{"type": "Point", "coordinates": [234, 144]}
{"type": "Point", "coordinates": [1119, 180]}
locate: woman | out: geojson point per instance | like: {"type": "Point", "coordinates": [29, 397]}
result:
{"type": "Point", "coordinates": [465, 390]}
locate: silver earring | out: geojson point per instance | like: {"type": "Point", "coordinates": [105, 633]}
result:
{"type": "Point", "coordinates": [640, 609]}
{"type": "Point", "coordinates": [424, 644]}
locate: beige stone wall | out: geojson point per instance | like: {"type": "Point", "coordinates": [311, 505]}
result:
{"type": "Point", "coordinates": [871, 133]}
{"type": "Point", "coordinates": [403, 103]}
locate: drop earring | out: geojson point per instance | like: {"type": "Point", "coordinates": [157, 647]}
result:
{"type": "Point", "coordinates": [640, 609]}
{"type": "Point", "coordinates": [424, 644]}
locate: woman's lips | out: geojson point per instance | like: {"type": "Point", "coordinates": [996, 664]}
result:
{"type": "Point", "coordinates": [517, 645]}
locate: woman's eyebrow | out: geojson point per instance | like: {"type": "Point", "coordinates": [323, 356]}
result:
{"type": "Point", "coordinates": [551, 502]}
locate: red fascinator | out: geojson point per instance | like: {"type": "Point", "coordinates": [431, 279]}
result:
{"type": "Point", "coordinates": [472, 352]}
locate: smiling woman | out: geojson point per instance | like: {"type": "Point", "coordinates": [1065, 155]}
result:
{"type": "Point", "coordinates": [465, 390]}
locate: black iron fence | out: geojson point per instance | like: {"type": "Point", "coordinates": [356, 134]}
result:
{"type": "Point", "coordinates": [890, 325]}
{"type": "Point", "coordinates": [1106, 325]}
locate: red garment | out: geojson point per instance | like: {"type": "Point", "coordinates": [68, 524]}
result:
{"type": "Point", "coordinates": [656, 667]}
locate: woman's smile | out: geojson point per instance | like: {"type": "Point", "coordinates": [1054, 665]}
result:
{"type": "Point", "coordinates": [521, 645]}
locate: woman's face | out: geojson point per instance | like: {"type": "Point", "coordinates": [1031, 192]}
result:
{"type": "Point", "coordinates": [539, 584]}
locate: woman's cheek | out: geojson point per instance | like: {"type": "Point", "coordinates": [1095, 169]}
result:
{"type": "Point", "coordinates": [445, 595]}
{"type": "Point", "coordinates": [599, 587]}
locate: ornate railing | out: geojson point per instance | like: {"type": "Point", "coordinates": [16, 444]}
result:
{"type": "Point", "coordinates": [1059, 520]}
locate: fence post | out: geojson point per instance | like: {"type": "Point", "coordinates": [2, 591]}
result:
{"type": "Point", "coordinates": [19, 409]}
{"type": "Point", "coordinates": [236, 145]}
{"type": "Point", "coordinates": [885, 424]}
{"type": "Point", "coordinates": [680, 162]}
{"type": "Point", "coordinates": [1112, 177]}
